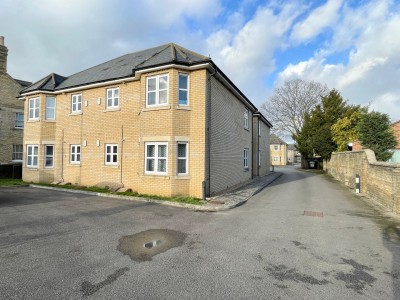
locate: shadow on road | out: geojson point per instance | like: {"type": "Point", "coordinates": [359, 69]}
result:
{"type": "Point", "coordinates": [294, 173]}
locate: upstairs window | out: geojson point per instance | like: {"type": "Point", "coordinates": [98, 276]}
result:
{"type": "Point", "coordinates": [76, 103]}
{"type": "Point", "coordinates": [113, 98]}
{"type": "Point", "coordinates": [183, 89]}
{"type": "Point", "coordinates": [19, 120]}
{"type": "Point", "coordinates": [50, 108]}
{"type": "Point", "coordinates": [33, 108]}
{"type": "Point", "coordinates": [157, 90]}
{"type": "Point", "coordinates": [111, 154]}
{"type": "Point", "coordinates": [246, 119]}
{"type": "Point", "coordinates": [276, 147]}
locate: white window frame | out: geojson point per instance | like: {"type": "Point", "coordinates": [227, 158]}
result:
{"type": "Point", "coordinates": [31, 156]}
{"type": "Point", "coordinates": [156, 158]}
{"type": "Point", "coordinates": [259, 158]}
{"type": "Point", "coordinates": [48, 156]}
{"type": "Point", "coordinates": [18, 152]}
{"type": "Point", "coordinates": [259, 128]}
{"type": "Point", "coordinates": [50, 108]}
{"type": "Point", "coordinates": [246, 158]}
{"type": "Point", "coordinates": [183, 89]}
{"type": "Point", "coordinates": [33, 108]}
{"type": "Point", "coordinates": [74, 154]}
{"type": "Point", "coordinates": [276, 147]}
{"type": "Point", "coordinates": [246, 119]}
{"type": "Point", "coordinates": [76, 102]}
{"type": "Point", "coordinates": [110, 154]}
{"type": "Point", "coordinates": [180, 158]}
{"type": "Point", "coordinates": [157, 90]}
{"type": "Point", "coordinates": [19, 121]}
{"type": "Point", "coordinates": [113, 98]}
{"type": "Point", "coordinates": [276, 158]}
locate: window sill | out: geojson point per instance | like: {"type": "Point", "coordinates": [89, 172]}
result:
{"type": "Point", "coordinates": [182, 107]}
{"type": "Point", "coordinates": [156, 176]}
{"type": "Point", "coordinates": [111, 166]}
{"type": "Point", "coordinates": [32, 168]}
{"type": "Point", "coordinates": [246, 129]}
{"type": "Point", "coordinates": [246, 169]}
{"type": "Point", "coordinates": [18, 128]}
{"type": "Point", "coordinates": [112, 109]}
{"type": "Point", "coordinates": [76, 113]}
{"type": "Point", "coordinates": [182, 177]}
{"type": "Point", "coordinates": [74, 164]}
{"type": "Point", "coordinates": [33, 120]}
{"type": "Point", "coordinates": [50, 121]}
{"type": "Point", "coordinates": [159, 107]}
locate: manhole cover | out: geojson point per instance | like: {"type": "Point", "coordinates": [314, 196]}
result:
{"type": "Point", "coordinates": [313, 213]}
{"type": "Point", "coordinates": [144, 245]}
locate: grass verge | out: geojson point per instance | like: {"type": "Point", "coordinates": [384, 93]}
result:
{"type": "Point", "coordinates": [11, 182]}
{"type": "Point", "coordinates": [179, 199]}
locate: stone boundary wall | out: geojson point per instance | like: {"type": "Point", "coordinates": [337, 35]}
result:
{"type": "Point", "coordinates": [380, 181]}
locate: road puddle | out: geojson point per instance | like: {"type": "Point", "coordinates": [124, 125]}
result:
{"type": "Point", "coordinates": [144, 245]}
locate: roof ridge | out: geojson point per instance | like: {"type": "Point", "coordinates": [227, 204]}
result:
{"type": "Point", "coordinates": [158, 52]}
{"type": "Point", "coordinates": [178, 49]}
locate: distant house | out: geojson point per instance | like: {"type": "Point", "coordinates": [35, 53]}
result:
{"type": "Point", "coordinates": [11, 113]}
{"type": "Point", "coordinates": [293, 155]}
{"type": "Point", "coordinates": [278, 151]}
{"type": "Point", "coordinates": [164, 121]}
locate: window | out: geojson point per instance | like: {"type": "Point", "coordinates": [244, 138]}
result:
{"type": "Point", "coordinates": [111, 154]}
{"type": "Point", "coordinates": [259, 158]}
{"type": "Point", "coordinates": [32, 152]}
{"type": "Point", "coordinates": [276, 147]}
{"type": "Point", "coordinates": [113, 98]}
{"type": "Point", "coordinates": [50, 108]}
{"type": "Point", "coordinates": [156, 158]}
{"type": "Point", "coordinates": [246, 119]}
{"type": "Point", "coordinates": [183, 89]}
{"type": "Point", "coordinates": [19, 120]}
{"type": "Point", "coordinates": [182, 157]}
{"type": "Point", "coordinates": [17, 152]}
{"type": "Point", "coordinates": [276, 158]}
{"type": "Point", "coordinates": [246, 158]}
{"type": "Point", "coordinates": [259, 128]}
{"type": "Point", "coordinates": [75, 154]}
{"type": "Point", "coordinates": [157, 90]}
{"type": "Point", "coordinates": [33, 108]}
{"type": "Point", "coordinates": [76, 103]}
{"type": "Point", "coordinates": [49, 156]}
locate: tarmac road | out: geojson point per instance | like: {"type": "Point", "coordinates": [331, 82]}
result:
{"type": "Point", "coordinates": [303, 237]}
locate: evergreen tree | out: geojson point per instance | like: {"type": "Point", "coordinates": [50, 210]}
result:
{"type": "Point", "coordinates": [376, 134]}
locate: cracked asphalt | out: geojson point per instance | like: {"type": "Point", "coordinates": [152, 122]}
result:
{"type": "Point", "coordinates": [57, 245]}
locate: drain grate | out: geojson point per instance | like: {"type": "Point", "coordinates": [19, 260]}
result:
{"type": "Point", "coordinates": [313, 213]}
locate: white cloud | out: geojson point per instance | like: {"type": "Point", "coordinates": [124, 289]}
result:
{"type": "Point", "coordinates": [321, 18]}
{"type": "Point", "coordinates": [372, 69]}
{"type": "Point", "coordinates": [248, 54]}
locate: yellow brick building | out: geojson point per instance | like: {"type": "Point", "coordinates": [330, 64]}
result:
{"type": "Point", "coordinates": [160, 121]}
{"type": "Point", "coordinates": [278, 151]}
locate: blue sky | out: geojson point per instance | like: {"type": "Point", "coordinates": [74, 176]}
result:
{"type": "Point", "coordinates": [352, 46]}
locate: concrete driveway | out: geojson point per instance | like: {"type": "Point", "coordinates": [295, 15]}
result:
{"type": "Point", "coordinates": [303, 237]}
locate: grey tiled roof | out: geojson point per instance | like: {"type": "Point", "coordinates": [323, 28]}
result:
{"type": "Point", "coordinates": [276, 140]}
{"type": "Point", "coordinates": [121, 67]}
{"type": "Point", "coordinates": [23, 82]}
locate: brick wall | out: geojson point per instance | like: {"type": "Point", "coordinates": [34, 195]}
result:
{"type": "Point", "coordinates": [380, 181]}
{"type": "Point", "coordinates": [229, 138]}
{"type": "Point", "coordinates": [281, 154]}
{"type": "Point", "coordinates": [130, 127]}
{"type": "Point", "coordinates": [9, 106]}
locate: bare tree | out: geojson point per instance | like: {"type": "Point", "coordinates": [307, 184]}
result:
{"type": "Point", "coordinates": [287, 107]}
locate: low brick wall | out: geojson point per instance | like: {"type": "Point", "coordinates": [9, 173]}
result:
{"type": "Point", "coordinates": [380, 181]}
